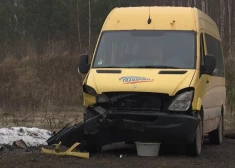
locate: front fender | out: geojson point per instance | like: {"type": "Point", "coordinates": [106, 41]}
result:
{"type": "Point", "coordinates": [199, 104]}
{"type": "Point", "coordinates": [88, 100]}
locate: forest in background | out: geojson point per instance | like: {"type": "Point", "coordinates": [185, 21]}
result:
{"type": "Point", "coordinates": [40, 42]}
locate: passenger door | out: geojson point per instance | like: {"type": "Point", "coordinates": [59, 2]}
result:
{"type": "Point", "coordinates": [203, 85]}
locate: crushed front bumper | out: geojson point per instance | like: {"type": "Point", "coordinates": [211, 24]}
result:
{"type": "Point", "coordinates": [161, 127]}
{"type": "Point", "coordinates": [117, 127]}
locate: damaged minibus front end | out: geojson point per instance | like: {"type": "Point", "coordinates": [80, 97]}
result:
{"type": "Point", "coordinates": [132, 100]}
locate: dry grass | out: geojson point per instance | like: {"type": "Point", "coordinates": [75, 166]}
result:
{"type": "Point", "coordinates": [46, 120]}
{"type": "Point", "coordinates": [40, 89]}
{"type": "Point", "coordinates": [46, 82]}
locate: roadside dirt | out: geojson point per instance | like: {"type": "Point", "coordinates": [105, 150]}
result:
{"type": "Point", "coordinates": [171, 157]}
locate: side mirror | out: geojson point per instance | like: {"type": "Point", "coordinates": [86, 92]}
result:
{"type": "Point", "coordinates": [83, 64]}
{"type": "Point", "coordinates": [209, 64]}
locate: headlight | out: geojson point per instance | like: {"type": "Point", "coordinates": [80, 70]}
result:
{"type": "Point", "coordinates": [182, 102]}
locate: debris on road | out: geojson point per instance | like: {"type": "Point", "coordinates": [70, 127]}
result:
{"type": "Point", "coordinates": [19, 144]}
{"type": "Point", "coordinates": [70, 152]}
{"type": "Point", "coordinates": [75, 133]}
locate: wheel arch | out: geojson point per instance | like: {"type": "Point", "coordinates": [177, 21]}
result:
{"type": "Point", "coordinates": [201, 113]}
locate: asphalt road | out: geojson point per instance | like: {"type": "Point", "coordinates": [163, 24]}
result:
{"type": "Point", "coordinates": [171, 157]}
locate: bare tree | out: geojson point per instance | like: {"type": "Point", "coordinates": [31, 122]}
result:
{"type": "Point", "coordinates": [15, 14]}
{"type": "Point", "coordinates": [89, 25]}
{"type": "Point", "coordinates": [78, 22]}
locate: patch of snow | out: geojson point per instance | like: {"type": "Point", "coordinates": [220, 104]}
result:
{"type": "Point", "coordinates": [31, 136]}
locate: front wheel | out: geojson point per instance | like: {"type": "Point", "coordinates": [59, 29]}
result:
{"type": "Point", "coordinates": [195, 148]}
{"type": "Point", "coordinates": [216, 136]}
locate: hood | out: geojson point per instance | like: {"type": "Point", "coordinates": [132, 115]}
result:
{"type": "Point", "coordinates": [139, 80]}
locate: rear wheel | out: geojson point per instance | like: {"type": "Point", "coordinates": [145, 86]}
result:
{"type": "Point", "coordinates": [195, 148]}
{"type": "Point", "coordinates": [216, 136]}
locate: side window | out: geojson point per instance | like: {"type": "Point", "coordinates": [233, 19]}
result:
{"type": "Point", "coordinates": [214, 47]}
{"type": "Point", "coordinates": [220, 63]}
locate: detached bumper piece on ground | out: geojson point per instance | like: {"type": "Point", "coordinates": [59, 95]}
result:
{"type": "Point", "coordinates": [72, 137]}
{"type": "Point", "coordinates": [70, 152]}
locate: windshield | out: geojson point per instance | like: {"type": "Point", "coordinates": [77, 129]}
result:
{"type": "Point", "coordinates": [146, 49]}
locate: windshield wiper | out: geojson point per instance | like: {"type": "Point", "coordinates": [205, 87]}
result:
{"type": "Point", "coordinates": [156, 66]}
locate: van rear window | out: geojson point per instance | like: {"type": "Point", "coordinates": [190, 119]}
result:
{"type": "Point", "coordinates": [147, 49]}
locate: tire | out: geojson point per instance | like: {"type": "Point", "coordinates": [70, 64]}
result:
{"type": "Point", "coordinates": [194, 149]}
{"type": "Point", "coordinates": [216, 136]}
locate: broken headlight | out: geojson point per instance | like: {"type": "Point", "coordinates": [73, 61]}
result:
{"type": "Point", "coordinates": [89, 90]}
{"type": "Point", "coordinates": [102, 98]}
{"type": "Point", "coordinates": [182, 102]}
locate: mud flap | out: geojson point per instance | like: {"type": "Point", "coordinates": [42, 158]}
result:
{"type": "Point", "coordinates": [70, 152]}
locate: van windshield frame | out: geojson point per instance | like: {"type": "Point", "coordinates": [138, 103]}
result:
{"type": "Point", "coordinates": [118, 42]}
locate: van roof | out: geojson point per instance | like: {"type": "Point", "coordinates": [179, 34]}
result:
{"type": "Point", "coordinates": [163, 18]}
